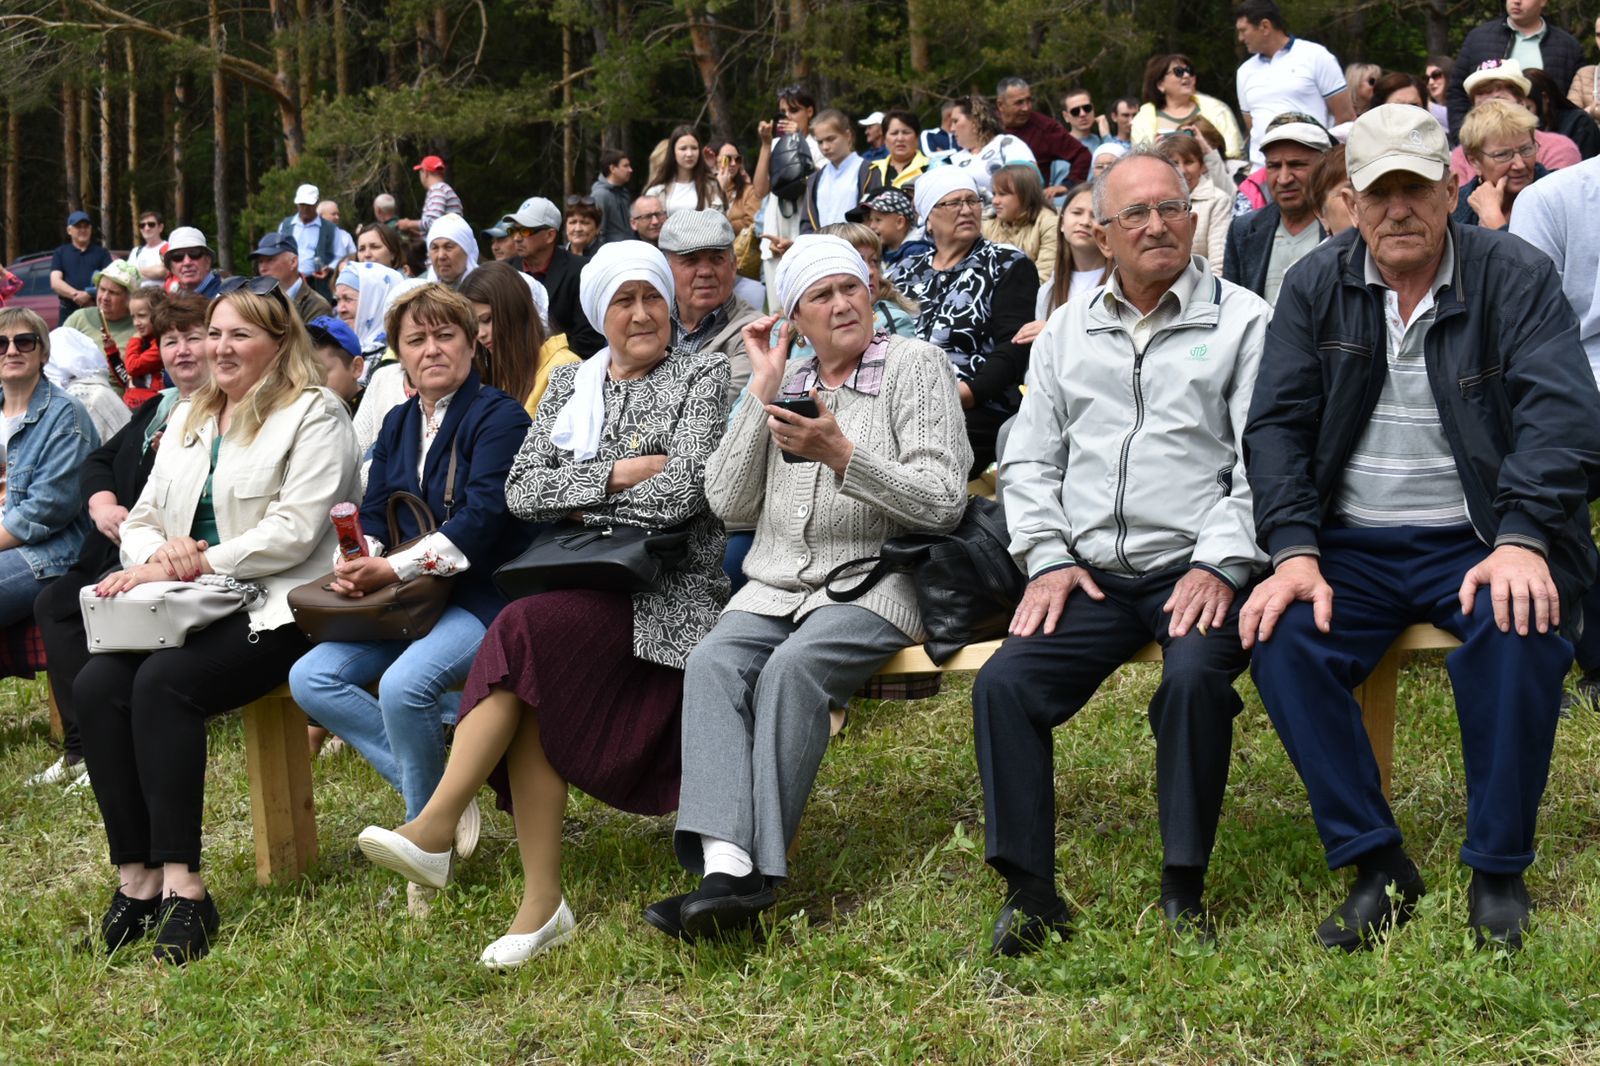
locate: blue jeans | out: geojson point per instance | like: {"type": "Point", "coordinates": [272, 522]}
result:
{"type": "Point", "coordinates": [401, 730]}
{"type": "Point", "coordinates": [18, 588]}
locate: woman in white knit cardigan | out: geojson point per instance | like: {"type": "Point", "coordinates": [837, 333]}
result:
{"type": "Point", "coordinates": [886, 454]}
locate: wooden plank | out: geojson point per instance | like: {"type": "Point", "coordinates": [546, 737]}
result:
{"type": "Point", "coordinates": [1377, 697]}
{"type": "Point", "coordinates": [281, 803]}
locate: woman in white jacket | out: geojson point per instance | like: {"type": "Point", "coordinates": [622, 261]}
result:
{"type": "Point", "coordinates": [1213, 211]}
{"type": "Point", "coordinates": [243, 479]}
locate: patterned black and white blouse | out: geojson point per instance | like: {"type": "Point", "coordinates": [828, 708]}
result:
{"type": "Point", "coordinates": [958, 303]}
{"type": "Point", "coordinates": [680, 410]}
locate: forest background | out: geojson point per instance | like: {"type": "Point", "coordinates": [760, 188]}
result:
{"type": "Point", "coordinates": [211, 111]}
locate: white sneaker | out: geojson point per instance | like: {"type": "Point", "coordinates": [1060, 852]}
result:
{"type": "Point", "coordinates": [514, 949]}
{"type": "Point", "coordinates": [468, 830]}
{"type": "Point", "coordinates": [392, 851]}
{"type": "Point", "coordinates": [80, 785]}
{"type": "Point", "coordinates": [60, 772]}
{"type": "Point", "coordinates": [331, 747]}
{"type": "Point", "coordinates": [419, 899]}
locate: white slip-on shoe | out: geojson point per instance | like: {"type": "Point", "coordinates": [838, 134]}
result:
{"type": "Point", "coordinates": [392, 851]}
{"type": "Point", "coordinates": [419, 899]}
{"type": "Point", "coordinates": [60, 772]}
{"type": "Point", "coordinates": [514, 949]}
{"type": "Point", "coordinates": [468, 830]}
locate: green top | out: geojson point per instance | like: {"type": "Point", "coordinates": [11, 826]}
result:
{"type": "Point", "coordinates": [86, 320]}
{"type": "Point", "coordinates": [205, 515]}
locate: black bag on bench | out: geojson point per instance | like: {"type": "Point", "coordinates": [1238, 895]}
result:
{"type": "Point", "coordinates": [967, 585]}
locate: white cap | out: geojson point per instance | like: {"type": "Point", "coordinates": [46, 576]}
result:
{"type": "Point", "coordinates": [307, 194]}
{"type": "Point", "coordinates": [1506, 70]}
{"type": "Point", "coordinates": [874, 119]}
{"type": "Point", "coordinates": [1309, 133]}
{"type": "Point", "coordinates": [183, 238]}
{"type": "Point", "coordinates": [535, 213]}
{"type": "Point", "coordinates": [1395, 137]}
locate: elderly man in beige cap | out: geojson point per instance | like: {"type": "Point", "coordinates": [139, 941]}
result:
{"type": "Point", "coordinates": [707, 315]}
{"type": "Point", "coordinates": [1421, 442]}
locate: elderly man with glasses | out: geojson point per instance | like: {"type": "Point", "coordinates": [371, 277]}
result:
{"type": "Point", "coordinates": [1129, 510]}
{"type": "Point", "coordinates": [188, 260]}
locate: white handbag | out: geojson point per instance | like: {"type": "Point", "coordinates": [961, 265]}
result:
{"type": "Point", "coordinates": [160, 614]}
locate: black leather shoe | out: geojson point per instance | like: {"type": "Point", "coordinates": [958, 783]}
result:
{"type": "Point", "coordinates": [127, 919]}
{"type": "Point", "coordinates": [184, 929]}
{"type": "Point", "coordinates": [725, 904]}
{"type": "Point", "coordinates": [1585, 693]}
{"type": "Point", "coordinates": [1368, 910]}
{"type": "Point", "coordinates": [1498, 909]}
{"type": "Point", "coordinates": [1189, 921]}
{"type": "Point", "coordinates": [1016, 932]}
{"type": "Point", "coordinates": [666, 915]}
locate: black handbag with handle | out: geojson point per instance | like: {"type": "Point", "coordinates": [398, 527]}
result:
{"type": "Point", "coordinates": [614, 558]}
{"type": "Point", "coordinates": [967, 585]}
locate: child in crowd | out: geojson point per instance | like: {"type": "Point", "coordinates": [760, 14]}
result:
{"type": "Point", "coordinates": [340, 353]}
{"type": "Point", "coordinates": [142, 360]}
{"type": "Point", "coordinates": [890, 214]}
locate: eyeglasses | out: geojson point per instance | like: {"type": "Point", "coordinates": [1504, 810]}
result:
{"type": "Point", "coordinates": [181, 254]}
{"type": "Point", "coordinates": [1182, 72]}
{"type": "Point", "coordinates": [955, 207]}
{"type": "Point", "coordinates": [262, 285]}
{"type": "Point", "coordinates": [24, 343]}
{"type": "Point", "coordinates": [653, 216]}
{"type": "Point", "coordinates": [1505, 155]}
{"type": "Point", "coordinates": [1081, 109]}
{"type": "Point", "coordinates": [1137, 216]}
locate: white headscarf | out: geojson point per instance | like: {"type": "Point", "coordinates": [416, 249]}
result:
{"type": "Point", "coordinates": [454, 228]}
{"type": "Point", "coordinates": [374, 282]}
{"type": "Point", "coordinates": [77, 365]}
{"type": "Point", "coordinates": [810, 259]}
{"type": "Point", "coordinates": [936, 184]}
{"type": "Point", "coordinates": [541, 298]}
{"type": "Point", "coordinates": [1110, 148]}
{"type": "Point", "coordinates": [582, 417]}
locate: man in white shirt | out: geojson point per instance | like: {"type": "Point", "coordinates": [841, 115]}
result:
{"type": "Point", "coordinates": [835, 188]}
{"type": "Point", "coordinates": [1284, 73]}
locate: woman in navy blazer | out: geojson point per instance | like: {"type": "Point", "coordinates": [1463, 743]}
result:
{"type": "Point", "coordinates": [453, 416]}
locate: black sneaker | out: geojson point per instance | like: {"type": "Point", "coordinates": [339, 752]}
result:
{"type": "Point", "coordinates": [184, 928]}
{"type": "Point", "coordinates": [127, 919]}
{"type": "Point", "coordinates": [1585, 693]}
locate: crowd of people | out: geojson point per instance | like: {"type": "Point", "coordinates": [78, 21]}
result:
{"type": "Point", "coordinates": [1264, 389]}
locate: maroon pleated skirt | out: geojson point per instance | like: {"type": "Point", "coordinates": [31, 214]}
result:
{"type": "Point", "coordinates": [609, 723]}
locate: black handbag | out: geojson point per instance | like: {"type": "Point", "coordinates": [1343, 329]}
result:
{"type": "Point", "coordinates": [616, 558]}
{"type": "Point", "coordinates": [967, 585]}
{"type": "Point", "coordinates": [791, 167]}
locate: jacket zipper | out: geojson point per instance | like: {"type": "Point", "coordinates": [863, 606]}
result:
{"type": "Point", "coordinates": [1122, 463]}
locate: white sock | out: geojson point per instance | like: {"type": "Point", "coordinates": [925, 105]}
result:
{"type": "Point", "coordinates": [722, 857]}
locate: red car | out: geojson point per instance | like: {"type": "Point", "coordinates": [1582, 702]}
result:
{"type": "Point", "coordinates": [34, 273]}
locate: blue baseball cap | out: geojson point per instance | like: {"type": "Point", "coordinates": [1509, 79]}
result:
{"type": "Point", "coordinates": [77, 217]}
{"type": "Point", "coordinates": [325, 329]}
{"type": "Point", "coordinates": [275, 244]}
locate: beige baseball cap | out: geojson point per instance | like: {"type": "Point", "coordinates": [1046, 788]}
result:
{"type": "Point", "coordinates": [1395, 137]}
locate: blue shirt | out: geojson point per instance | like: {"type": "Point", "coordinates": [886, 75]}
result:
{"type": "Point", "coordinates": [78, 268]}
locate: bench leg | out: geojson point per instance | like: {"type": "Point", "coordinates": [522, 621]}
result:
{"type": "Point", "coordinates": [280, 789]}
{"type": "Point", "coordinates": [57, 730]}
{"type": "Point", "coordinates": [1377, 698]}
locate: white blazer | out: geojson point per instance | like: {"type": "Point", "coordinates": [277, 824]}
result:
{"type": "Point", "coordinates": [271, 497]}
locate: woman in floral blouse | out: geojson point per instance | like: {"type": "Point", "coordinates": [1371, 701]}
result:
{"type": "Point", "coordinates": [576, 686]}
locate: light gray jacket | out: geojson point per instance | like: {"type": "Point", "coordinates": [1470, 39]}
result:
{"type": "Point", "coordinates": [1130, 461]}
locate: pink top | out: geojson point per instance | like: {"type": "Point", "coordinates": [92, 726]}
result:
{"type": "Point", "coordinates": [1556, 150]}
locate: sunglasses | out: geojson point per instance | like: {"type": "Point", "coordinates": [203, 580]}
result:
{"type": "Point", "coordinates": [1081, 109]}
{"type": "Point", "coordinates": [261, 285]}
{"type": "Point", "coordinates": [576, 200]}
{"type": "Point", "coordinates": [1436, 75]}
{"type": "Point", "coordinates": [149, 225]}
{"type": "Point", "coordinates": [1182, 72]}
{"type": "Point", "coordinates": [184, 254]}
{"type": "Point", "coordinates": [24, 343]}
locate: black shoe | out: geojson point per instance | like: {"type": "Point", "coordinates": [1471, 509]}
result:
{"type": "Point", "coordinates": [184, 928]}
{"type": "Point", "coordinates": [127, 919]}
{"type": "Point", "coordinates": [1498, 909]}
{"type": "Point", "coordinates": [1189, 920]}
{"type": "Point", "coordinates": [1016, 932]}
{"type": "Point", "coordinates": [665, 915]}
{"type": "Point", "coordinates": [1367, 911]}
{"type": "Point", "coordinates": [1585, 693]}
{"type": "Point", "coordinates": [725, 904]}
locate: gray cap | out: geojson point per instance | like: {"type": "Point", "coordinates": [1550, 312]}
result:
{"type": "Point", "coordinates": [692, 231]}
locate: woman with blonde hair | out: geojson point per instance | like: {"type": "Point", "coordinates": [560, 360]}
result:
{"type": "Point", "coordinates": [241, 487]}
{"type": "Point", "coordinates": [1023, 218]}
{"type": "Point", "coordinates": [1498, 139]}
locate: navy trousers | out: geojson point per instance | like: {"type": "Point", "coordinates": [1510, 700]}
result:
{"type": "Point", "coordinates": [1507, 690]}
{"type": "Point", "coordinates": [1033, 684]}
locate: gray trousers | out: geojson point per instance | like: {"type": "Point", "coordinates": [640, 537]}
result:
{"type": "Point", "coordinates": [756, 696]}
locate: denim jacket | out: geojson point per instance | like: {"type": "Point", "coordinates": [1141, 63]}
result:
{"type": "Point", "coordinates": [44, 495]}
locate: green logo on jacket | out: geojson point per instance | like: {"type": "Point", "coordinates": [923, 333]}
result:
{"type": "Point", "coordinates": [1199, 351]}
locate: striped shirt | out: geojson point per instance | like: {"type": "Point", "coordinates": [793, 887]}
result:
{"type": "Point", "coordinates": [440, 201]}
{"type": "Point", "coordinates": [1402, 472]}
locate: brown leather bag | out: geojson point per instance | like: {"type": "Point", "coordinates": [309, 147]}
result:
{"type": "Point", "coordinates": [404, 610]}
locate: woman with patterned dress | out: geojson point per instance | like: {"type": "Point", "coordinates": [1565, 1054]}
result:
{"type": "Point", "coordinates": [584, 687]}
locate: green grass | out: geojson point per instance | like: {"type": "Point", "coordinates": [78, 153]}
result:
{"type": "Point", "coordinates": [879, 954]}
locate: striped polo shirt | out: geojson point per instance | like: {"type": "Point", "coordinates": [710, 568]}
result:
{"type": "Point", "coordinates": [1402, 472]}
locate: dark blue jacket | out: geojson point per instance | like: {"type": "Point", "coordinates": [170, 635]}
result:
{"type": "Point", "coordinates": [1465, 215]}
{"type": "Point", "coordinates": [485, 428]}
{"type": "Point", "coordinates": [1248, 249]}
{"type": "Point", "coordinates": [1516, 398]}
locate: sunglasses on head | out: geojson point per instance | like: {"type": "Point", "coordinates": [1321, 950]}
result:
{"type": "Point", "coordinates": [575, 200]}
{"type": "Point", "coordinates": [261, 285]}
{"type": "Point", "coordinates": [1081, 109]}
{"type": "Point", "coordinates": [22, 342]}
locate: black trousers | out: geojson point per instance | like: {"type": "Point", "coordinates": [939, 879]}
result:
{"type": "Point", "coordinates": [66, 646]}
{"type": "Point", "coordinates": [983, 426]}
{"type": "Point", "coordinates": [1033, 684]}
{"type": "Point", "coordinates": [143, 718]}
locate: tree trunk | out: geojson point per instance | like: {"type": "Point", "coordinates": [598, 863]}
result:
{"type": "Point", "coordinates": [708, 61]}
{"type": "Point", "coordinates": [1436, 27]}
{"type": "Point", "coordinates": [85, 152]}
{"type": "Point", "coordinates": [921, 56]}
{"type": "Point", "coordinates": [289, 105]}
{"type": "Point", "coordinates": [108, 212]}
{"type": "Point", "coordinates": [133, 139]}
{"type": "Point", "coordinates": [801, 62]}
{"type": "Point", "coordinates": [569, 120]}
{"type": "Point", "coordinates": [13, 184]}
{"type": "Point", "coordinates": [305, 62]}
{"type": "Point", "coordinates": [219, 142]}
{"type": "Point", "coordinates": [615, 134]}
{"type": "Point", "coordinates": [69, 146]}
{"type": "Point", "coordinates": [341, 52]}
{"type": "Point", "coordinates": [180, 130]}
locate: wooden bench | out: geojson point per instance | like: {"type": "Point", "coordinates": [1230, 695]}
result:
{"type": "Point", "coordinates": [279, 760]}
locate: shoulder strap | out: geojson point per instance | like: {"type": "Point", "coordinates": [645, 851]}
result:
{"type": "Point", "coordinates": [881, 568]}
{"type": "Point", "coordinates": [450, 481]}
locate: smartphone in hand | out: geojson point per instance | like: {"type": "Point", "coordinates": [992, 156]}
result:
{"type": "Point", "coordinates": [805, 407]}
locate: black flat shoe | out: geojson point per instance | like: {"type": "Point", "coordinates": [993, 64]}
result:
{"type": "Point", "coordinates": [1498, 909]}
{"type": "Point", "coordinates": [184, 929]}
{"type": "Point", "coordinates": [666, 915]}
{"type": "Point", "coordinates": [724, 904]}
{"type": "Point", "coordinates": [1016, 932]}
{"type": "Point", "coordinates": [1585, 693]}
{"type": "Point", "coordinates": [1367, 911]}
{"type": "Point", "coordinates": [1189, 921]}
{"type": "Point", "coordinates": [127, 919]}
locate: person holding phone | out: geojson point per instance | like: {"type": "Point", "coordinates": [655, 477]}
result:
{"type": "Point", "coordinates": [827, 457]}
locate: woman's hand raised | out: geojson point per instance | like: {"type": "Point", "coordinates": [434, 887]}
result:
{"type": "Point", "coordinates": [767, 360]}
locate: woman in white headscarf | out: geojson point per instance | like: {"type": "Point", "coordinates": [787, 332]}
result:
{"type": "Point", "coordinates": [882, 451]}
{"type": "Point", "coordinates": [585, 687]}
{"type": "Point", "coordinates": [361, 293]}
{"type": "Point", "coordinates": [78, 366]}
{"type": "Point", "coordinates": [452, 249]}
